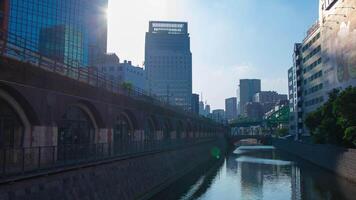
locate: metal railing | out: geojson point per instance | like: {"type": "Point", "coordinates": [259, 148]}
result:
{"type": "Point", "coordinates": [21, 161]}
{"type": "Point", "coordinates": [18, 48]}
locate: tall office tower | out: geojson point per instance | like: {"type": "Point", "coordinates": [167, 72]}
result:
{"type": "Point", "coordinates": [207, 109]}
{"type": "Point", "coordinates": [292, 97]}
{"type": "Point", "coordinates": [231, 108]}
{"type": "Point", "coordinates": [296, 101]}
{"type": "Point", "coordinates": [248, 88]}
{"type": "Point", "coordinates": [168, 62]}
{"type": "Point", "coordinates": [312, 73]}
{"type": "Point", "coordinates": [201, 108]}
{"type": "Point", "coordinates": [70, 31]}
{"type": "Point", "coordinates": [195, 103]}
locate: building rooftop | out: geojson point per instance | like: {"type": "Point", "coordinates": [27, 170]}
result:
{"type": "Point", "coordinates": [168, 27]}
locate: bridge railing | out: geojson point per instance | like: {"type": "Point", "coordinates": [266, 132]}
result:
{"type": "Point", "coordinates": [21, 161]}
{"type": "Point", "coordinates": [18, 48]}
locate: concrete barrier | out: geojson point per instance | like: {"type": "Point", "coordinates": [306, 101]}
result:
{"type": "Point", "coordinates": [336, 159]}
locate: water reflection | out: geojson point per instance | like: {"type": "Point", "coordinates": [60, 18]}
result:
{"type": "Point", "coordinates": [259, 173]}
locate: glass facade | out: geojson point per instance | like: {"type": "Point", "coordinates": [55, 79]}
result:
{"type": "Point", "coordinates": [71, 31]}
{"type": "Point", "coordinates": [168, 62]}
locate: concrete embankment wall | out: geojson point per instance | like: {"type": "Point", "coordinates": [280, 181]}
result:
{"type": "Point", "coordinates": [137, 177]}
{"type": "Point", "coordinates": [338, 160]}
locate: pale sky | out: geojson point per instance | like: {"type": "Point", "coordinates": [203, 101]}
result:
{"type": "Point", "coordinates": [230, 39]}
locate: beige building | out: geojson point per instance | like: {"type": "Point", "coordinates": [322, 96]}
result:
{"type": "Point", "coordinates": [338, 31]}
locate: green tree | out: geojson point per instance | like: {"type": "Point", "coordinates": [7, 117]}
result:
{"type": "Point", "coordinates": [345, 106]}
{"type": "Point", "coordinates": [127, 86]}
{"type": "Point", "coordinates": [350, 135]}
{"type": "Point", "coordinates": [282, 132]}
{"type": "Point", "coordinates": [335, 121]}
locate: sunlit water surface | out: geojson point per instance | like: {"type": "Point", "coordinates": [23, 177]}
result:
{"type": "Point", "coordinates": [260, 173]}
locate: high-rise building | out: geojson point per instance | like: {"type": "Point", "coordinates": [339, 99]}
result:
{"type": "Point", "coordinates": [231, 108]}
{"type": "Point", "coordinates": [207, 109]}
{"type": "Point", "coordinates": [71, 31]}
{"type": "Point", "coordinates": [168, 61]}
{"type": "Point", "coordinates": [195, 103]}
{"type": "Point", "coordinates": [292, 97]}
{"type": "Point", "coordinates": [248, 88]}
{"type": "Point", "coordinates": [312, 73]}
{"type": "Point", "coordinates": [201, 108]}
{"type": "Point", "coordinates": [295, 76]}
{"type": "Point", "coordinates": [326, 60]}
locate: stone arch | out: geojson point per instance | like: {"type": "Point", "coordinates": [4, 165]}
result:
{"type": "Point", "coordinates": [195, 130]}
{"type": "Point", "coordinates": [179, 129]}
{"type": "Point", "coordinates": [77, 125]}
{"type": "Point", "coordinates": [23, 129]}
{"type": "Point", "coordinates": [12, 95]}
{"type": "Point", "coordinates": [150, 127]}
{"type": "Point", "coordinates": [131, 117]}
{"type": "Point", "coordinates": [94, 114]}
{"type": "Point", "coordinates": [123, 132]}
{"type": "Point", "coordinates": [167, 129]}
{"type": "Point", "coordinates": [189, 129]}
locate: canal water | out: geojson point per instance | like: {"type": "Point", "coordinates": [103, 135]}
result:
{"type": "Point", "coordinates": [260, 173]}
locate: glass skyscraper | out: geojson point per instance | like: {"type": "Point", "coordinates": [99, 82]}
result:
{"type": "Point", "coordinates": [168, 62]}
{"type": "Point", "coordinates": [71, 31]}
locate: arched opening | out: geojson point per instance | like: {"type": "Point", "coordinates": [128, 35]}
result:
{"type": "Point", "coordinates": [123, 133]}
{"type": "Point", "coordinates": [11, 127]}
{"type": "Point", "coordinates": [76, 127]}
{"type": "Point", "coordinates": [149, 129]}
{"type": "Point", "coordinates": [189, 131]}
{"type": "Point", "coordinates": [179, 130]}
{"type": "Point", "coordinates": [167, 128]}
{"type": "Point", "coordinates": [76, 134]}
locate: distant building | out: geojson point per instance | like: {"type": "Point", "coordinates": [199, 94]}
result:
{"type": "Point", "coordinates": [268, 99]}
{"type": "Point", "coordinates": [248, 88]}
{"type": "Point", "coordinates": [124, 72]}
{"type": "Point", "coordinates": [195, 103]}
{"type": "Point", "coordinates": [133, 74]}
{"type": "Point", "coordinates": [231, 108]}
{"type": "Point", "coordinates": [207, 109]}
{"type": "Point", "coordinates": [168, 61]}
{"type": "Point", "coordinates": [218, 115]}
{"type": "Point", "coordinates": [253, 111]}
{"type": "Point", "coordinates": [201, 109]}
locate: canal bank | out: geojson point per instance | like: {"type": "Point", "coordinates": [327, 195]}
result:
{"type": "Point", "coordinates": [339, 160]}
{"type": "Point", "coordinates": [126, 178]}
{"type": "Point", "coordinates": [260, 173]}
